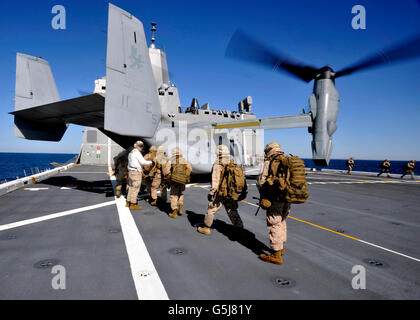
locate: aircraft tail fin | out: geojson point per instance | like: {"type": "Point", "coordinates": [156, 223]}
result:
{"type": "Point", "coordinates": [35, 86]}
{"type": "Point", "coordinates": [132, 105]}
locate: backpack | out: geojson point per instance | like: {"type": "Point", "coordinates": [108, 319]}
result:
{"type": "Point", "coordinates": [179, 173]}
{"type": "Point", "coordinates": [232, 184]}
{"type": "Point", "coordinates": [148, 171]}
{"type": "Point", "coordinates": [286, 180]}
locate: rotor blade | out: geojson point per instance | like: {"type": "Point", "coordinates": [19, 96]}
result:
{"type": "Point", "coordinates": [405, 50]}
{"type": "Point", "coordinates": [243, 47]}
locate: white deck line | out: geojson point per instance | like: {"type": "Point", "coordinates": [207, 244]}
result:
{"type": "Point", "coordinates": [146, 279]}
{"type": "Point", "coordinates": [54, 215]}
{"type": "Point", "coordinates": [359, 240]}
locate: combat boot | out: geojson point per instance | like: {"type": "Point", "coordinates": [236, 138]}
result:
{"type": "Point", "coordinates": [118, 193]}
{"type": "Point", "coordinates": [204, 230]}
{"type": "Point", "coordinates": [127, 204]}
{"type": "Point", "coordinates": [134, 206]}
{"type": "Point", "coordinates": [180, 210]}
{"type": "Point", "coordinates": [153, 202]}
{"type": "Point", "coordinates": [174, 214]}
{"type": "Point", "coordinates": [273, 258]}
{"type": "Point", "coordinates": [282, 252]}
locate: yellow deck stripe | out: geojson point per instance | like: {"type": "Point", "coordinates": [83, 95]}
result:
{"type": "Point", "coordinates": [339, 233]}
{"type": "Point", "coordinates": [312, 224]}
{"type": "Point", "coordinates": [323, 228]}
{"type": "Point", "coordinates": [238, 125]}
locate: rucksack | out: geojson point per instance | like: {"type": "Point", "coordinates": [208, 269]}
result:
{"type": "Point", "coordinates": [287, 180]}
{"type": "Point", "coordinates": [180, 173]}
{"type": "Point", "coordinates": [232, 184]}
{"type": "Point", "coordinates": [148, 171]}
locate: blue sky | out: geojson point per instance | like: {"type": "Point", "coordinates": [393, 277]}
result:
{"type": "Point", "coordinates": [379, 109]}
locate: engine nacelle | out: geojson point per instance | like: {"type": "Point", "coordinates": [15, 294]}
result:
{"type": "Point", "coordinates": [324, 107]}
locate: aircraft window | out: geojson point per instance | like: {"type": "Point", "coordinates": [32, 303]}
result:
{"type": "Point", "coordinates": [214, 112]}
{"type": "Point", "coordinates": [206, 112]}
{"type": "Point", "coordinates": [220, 140]}
{"type": "Point", "coordinates": [226, 115]}
{"type": "Point", "coordinates": [103, 88]}
{"type": "Point", "coordinates": [171, 93]}
{"type": "Point", "coordinates": [232, 116]}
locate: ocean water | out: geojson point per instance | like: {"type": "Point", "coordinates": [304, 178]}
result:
{"type": "Point", "coordinates": [12, 165]}
{"type": "Point", "coordinates": [360, 165]}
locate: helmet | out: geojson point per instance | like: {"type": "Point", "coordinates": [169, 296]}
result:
{"type": "Point", "coordinates": [272, 146]}
{"type": "Point", "coordinates": [222, 150]}
{"type": "Point", "coordinates": [176, 151]}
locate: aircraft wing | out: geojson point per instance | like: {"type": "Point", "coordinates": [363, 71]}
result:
{"type": "Point", "coordinates": [299, 121]}
{"type": "Point", "coordinates": [85, 111]}
{"type": "Point", "coordinates": [49, 122]}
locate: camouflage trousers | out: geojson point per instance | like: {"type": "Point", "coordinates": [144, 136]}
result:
{"type": "Point", "coordinates": [385, 170]}
{"type": "Point", "coordinates": [408, 172]}
{"type": "Point", "coordinates": [153, 185]}
{"type": "Point", "coordinates": [231, 208]}
{"type": "Point", "coordinates": [177, 196]}
{"type": "Point", "coordinates": [134, 183]}
{"type": "Point", "coordinates": [277, 227]}
{"type": "Point", "coordinates": [163, 192]}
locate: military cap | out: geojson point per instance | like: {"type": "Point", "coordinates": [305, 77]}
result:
{"type": "Point", "coordinates": [222, 150]}
{"type": "Point", "coordinates": [176, 151]}
{"type": "Point", "coordinates": [272, 146]}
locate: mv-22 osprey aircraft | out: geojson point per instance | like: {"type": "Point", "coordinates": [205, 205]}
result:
{"type": "Point", "coordinates": [137, 100]}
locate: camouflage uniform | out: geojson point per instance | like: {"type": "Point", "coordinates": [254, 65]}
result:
{"type": "Point", "coordinates": [154, 178]}
{"type": "Point", "coordinates": [409, 168]}
{"type": "Point", "coordinates": [176, 190]}
{"type": "Point", "coordinates": [162, 159]}
{"type": "Point", "coordinates": [277, 213]}
{"type": "Point", "coordinates": [385, 167]}
{"type": "Point", "coordinates": [121, 170]}
{"type": "Point", "coordinates": [231, 206]}
{"type": "Point", "coordinates": [350, 165]}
